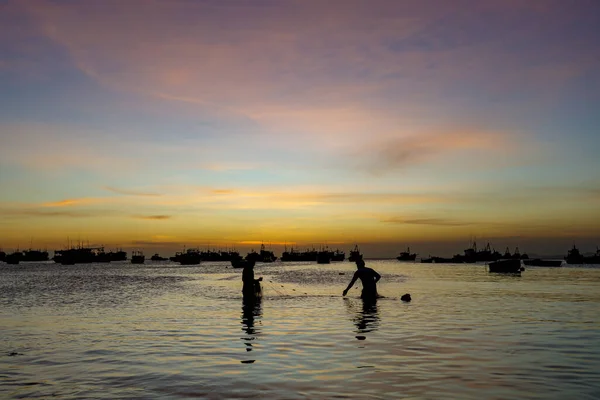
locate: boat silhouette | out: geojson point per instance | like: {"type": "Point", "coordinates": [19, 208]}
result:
{"type": "Point", "coordinates": [337, 255]}
{"type": "Point", "coordinates": [574, 256]}
{"type": "Point", "coordinates": [407, 256]}
{"type": "Point", "coordinates": [595, 259]}
{"type": "Point", "coordinates": [137, 257]}
{"type": "Point", "coordinates": [537, 262]}
{"type": "Point", "coordinates": [294, 255]}
{"type": "Point", "coordinates": [324, 257]}
{"type": "Point", "coordinates": [264, 256]}
{"type": "Point", "coordinates": [355, 254]}
{"type": "Point", "coordinates": [506, 266]}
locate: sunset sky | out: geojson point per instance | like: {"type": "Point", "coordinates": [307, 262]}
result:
{"type": "Point", "coordinates": [157, 124]}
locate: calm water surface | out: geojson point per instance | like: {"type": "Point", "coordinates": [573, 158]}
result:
{"type": "Point", "coordinates": [166, 331]}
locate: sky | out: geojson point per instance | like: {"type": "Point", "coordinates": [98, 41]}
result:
{"type": "Point", "coordinates": [155, 125]}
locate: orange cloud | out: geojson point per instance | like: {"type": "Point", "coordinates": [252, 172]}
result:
{"type": "Point", "coordinates": [73, 202]}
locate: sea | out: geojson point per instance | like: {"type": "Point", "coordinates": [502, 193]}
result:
{"type": "Point", "coordinates": [165, 331]}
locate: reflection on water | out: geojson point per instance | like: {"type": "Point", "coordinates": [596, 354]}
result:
{"type": "Point", "coordinates": [364, 314]}
{"type": "Point", "coordinates": [251, 315]}
{"type": "Point", "coordinates": [165, 331]}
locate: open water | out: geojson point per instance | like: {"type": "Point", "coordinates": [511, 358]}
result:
{"type": "Point", "coordinates": [161, 330]}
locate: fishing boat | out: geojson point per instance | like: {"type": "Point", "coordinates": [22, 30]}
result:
{"type": "Point", "coordinates": [77, 255]}
{"type": "Point", "coordinates": [157, 257]}
{"type": "Point", "coordinates": [14, 258]}
{"type": "Point", "coordinates": [34, 255]}
{"type": "Point", "coordinates": [264, 255]}
{"type": "Point", "coordinates": [574, 256]}
{"type": "Point", "coordinates": [537, 262]}
{"type": "Point", "coordinates": [118, 255]}
{"type": "Point", "coordinates": [337, 255]}
{"type": "Point", "coordinates": [190, 257]}
{"type": "Point", "coordinates": [427, 260]}
{"type": "Point", "coordinates": [137, 257]}
{"type": "Point", "coordinates": [2, 256]}
{"type": "Point", "coordinates": [295, 255]}
{"type": "Point", "coordinates": [323, 257]}
{"type": "Point", "coordinates": [595, 259]}
{"type": "Point", "coordinates": [506, 266]}
{"type": "Point", "coordinates": [241, 263]}
{"type": "Point", "coordinates": [407, 256]}
{"type": "Point", "coordinates": [355, 254]}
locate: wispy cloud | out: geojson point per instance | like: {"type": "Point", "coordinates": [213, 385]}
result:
{"type": "Point", "coordinates": [429, 221]}
{"type": "Point", "coordinates": [129, 192]}
{"type": "Point", "coordinates": [75, 202]}
{"type": "Point", "coordinates": [41, 213]}
{"type": "Point", "coordinates": [153, 217]}
{"type": "Point", "coordinates": [402, 151]}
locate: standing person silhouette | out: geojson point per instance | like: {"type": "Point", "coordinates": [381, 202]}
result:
{"type": "Point", "coordinates": [369, 278]}
{"type": "Point", "coordinates": [251, 287]}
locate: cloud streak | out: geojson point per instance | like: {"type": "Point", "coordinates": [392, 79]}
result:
{"type": "Point", "coordinates": [153, 217]}
{"type": "Point", "coordinates": [128, 192]}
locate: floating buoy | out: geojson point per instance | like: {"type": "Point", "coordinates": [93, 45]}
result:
{"type": "Point", "coordinates": [406, 298]}
{"type": "Point", "coordinates": [248, 361]}
{"type": "Point", "coordinates": [361, 337]}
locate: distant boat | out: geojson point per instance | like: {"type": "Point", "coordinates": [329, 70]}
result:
{"type": "Point", "coordinates": [407, 256]}
{"type": "Point", "coordinates": [323, 257]}
{"type": "Point", "coordinates": [507, 266]}
{"type": "Point", "coordinates": [427, 260]}
{"type": "Point", "coordinates": [137, 257]}
{"type": "Point", "coordinates": [264, 256]}
{"type": "Point", "coordinates": [77, 255]}
{"type": "Point", "coordinates": [2, 256]}
{"type": "Point", "coordinates": [295, 255]}
{"type": "Point", "coordinates": [14, 258]}
{"type": "Point", "coordinates": [156, 257]}
{"type": "Point", "coordinates": [355, 254]}
{"type": "Point", "coordinates": [337, 255]}
{"type": "Point", "coordinates": [536, 262]}
{"type": "Point", "coordinates": [472, 255]}
{"type": "Point", "coordinates": [595, 259]}
{"type": "Point", "coordinates": [190, 257]}
{"type": "Point", "coordinates": [118, 255]}
{"type": "Point", "coordinates": [574, 256]}
{"type": "Point", "coordinates": [34, 255]}
{"type": "Point", "coordinates": [241, 263]}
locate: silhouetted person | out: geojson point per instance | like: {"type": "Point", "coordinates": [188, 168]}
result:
{"type": "Point", "coordinates": [251, 287]}
{"type": "Point", "coordinates": [369, 279]}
